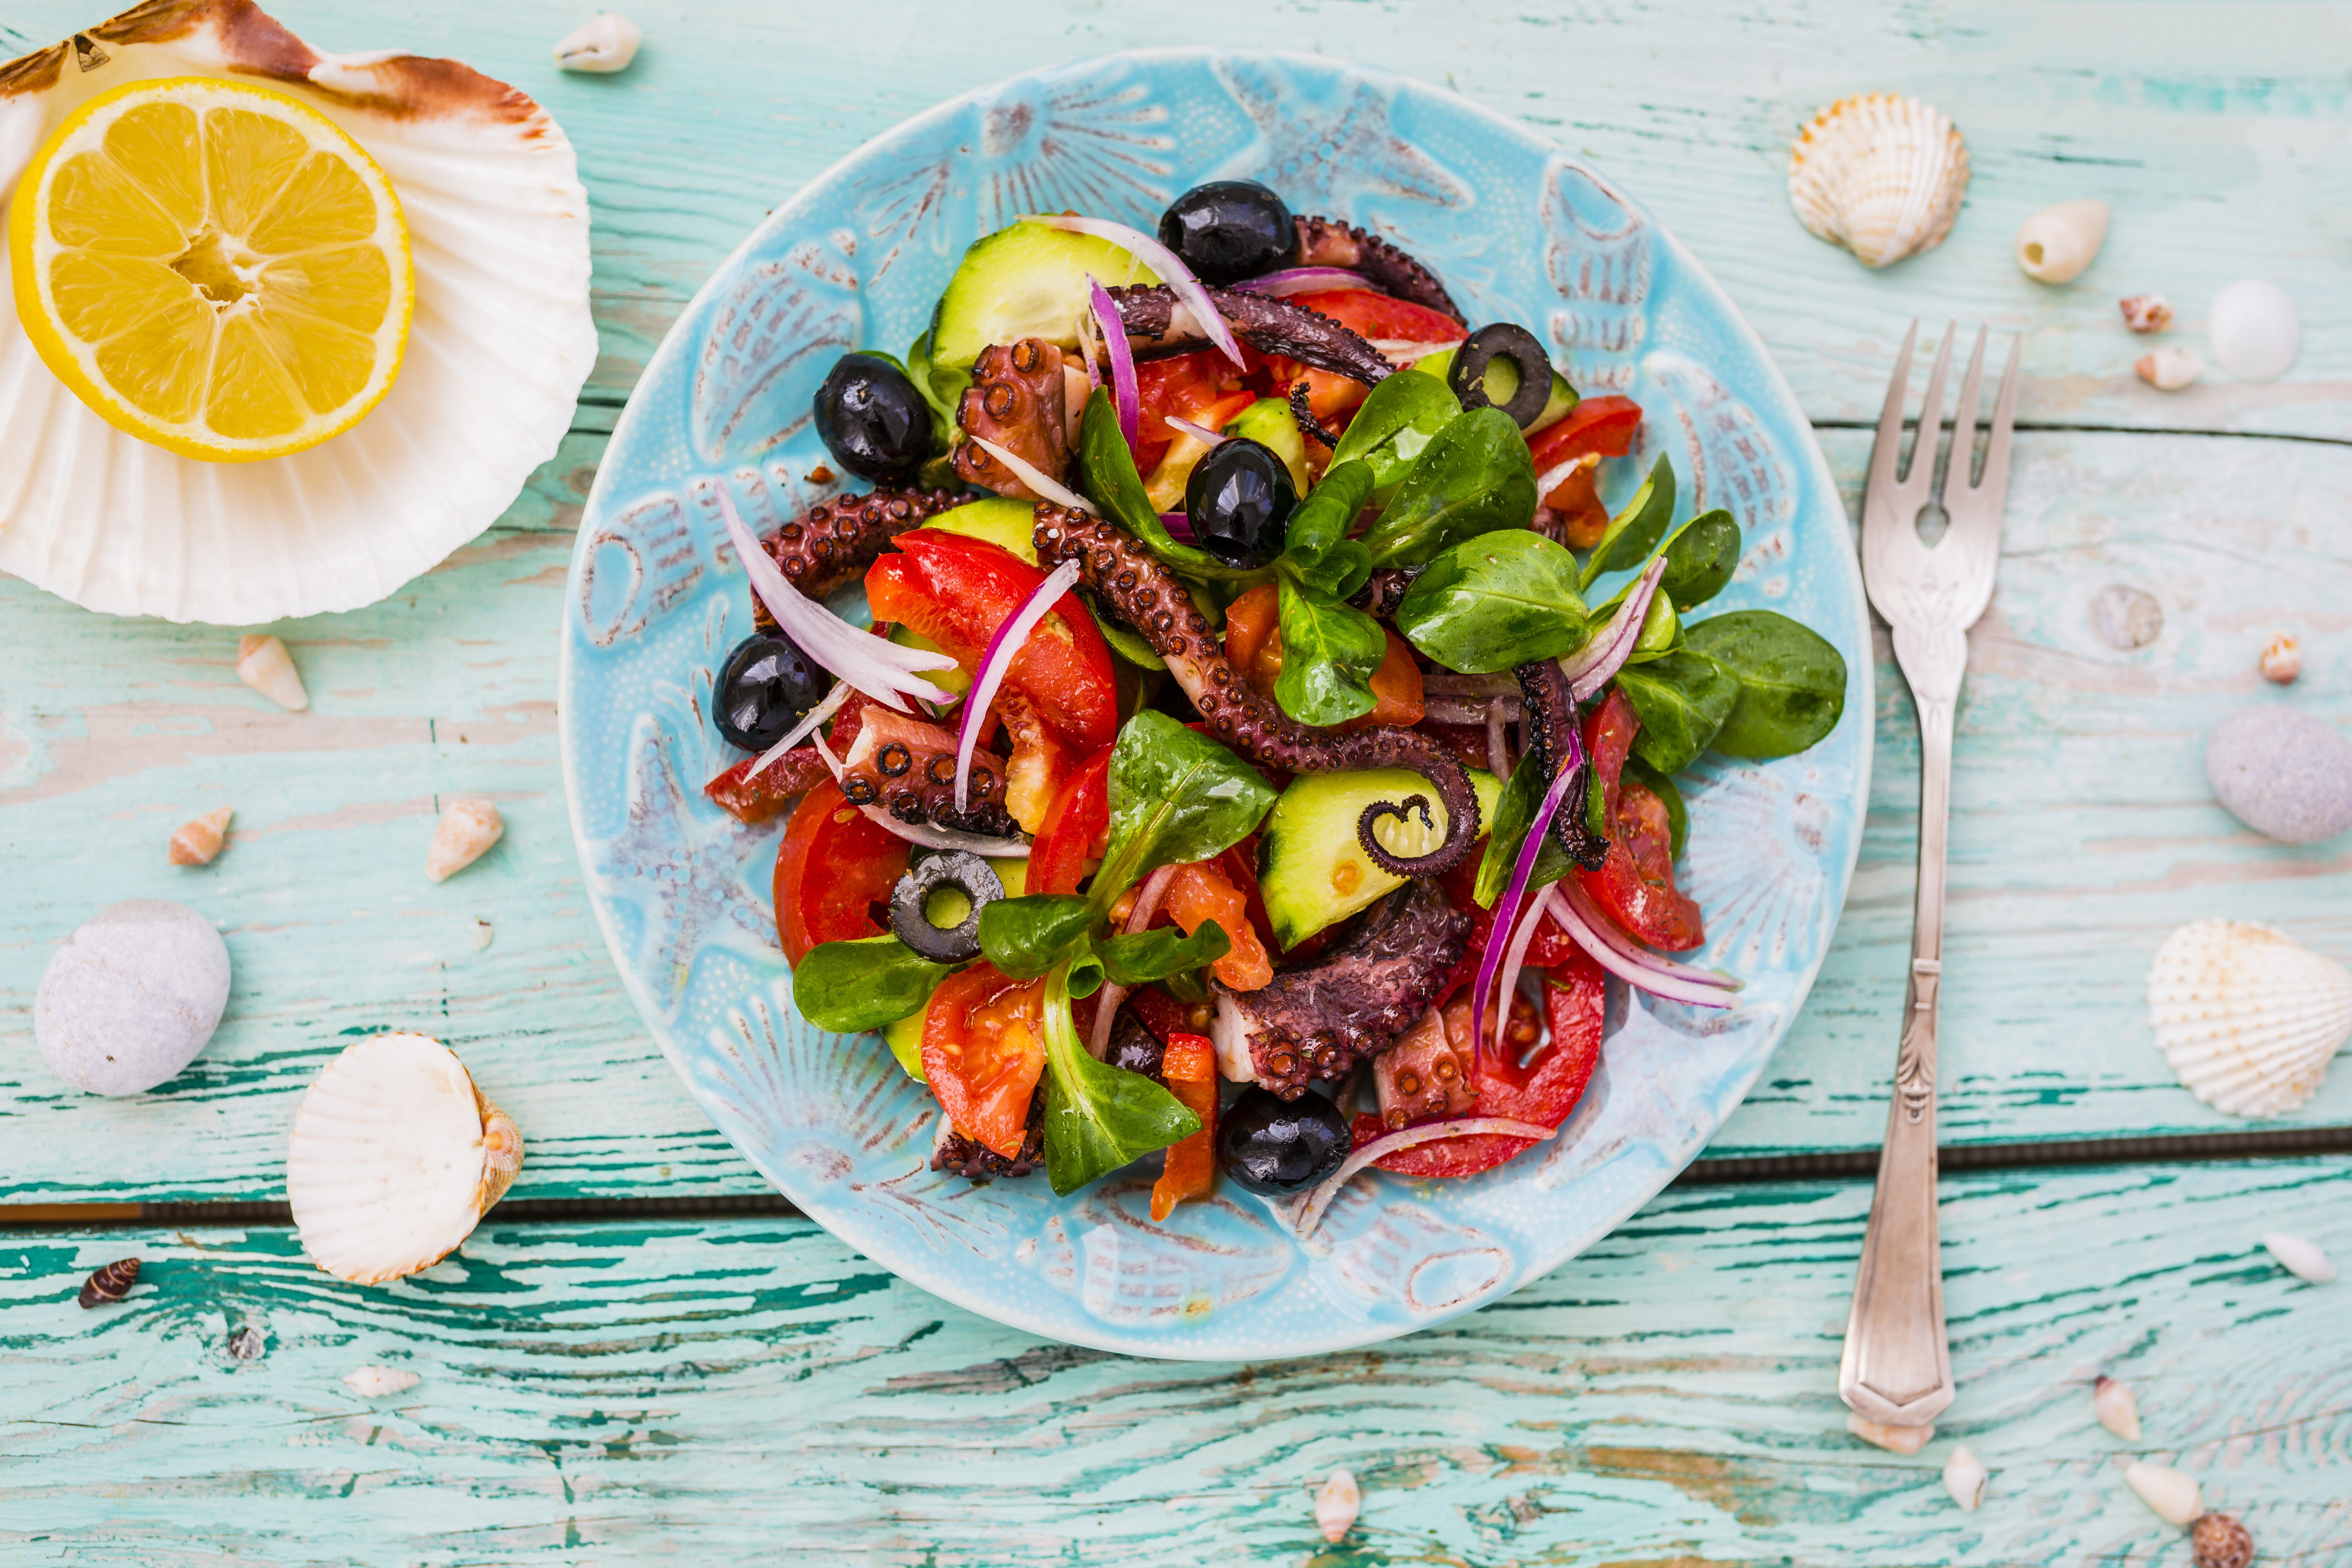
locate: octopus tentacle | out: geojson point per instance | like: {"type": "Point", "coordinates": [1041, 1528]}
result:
{"type": "Point", "coordinates": [1272, 326]}
{"type": "Point", "coordinates": [1551, 709]}
{"type": "Point", "coordinates": [1019, 400]}
{"type": "Point", "coordinates": [1327, 242]}
{"type": "Point", "coordinates": [908, 768]}
{"type": "Point", "coordinates": [1384, 591]}
{"type": "Point", "coordinates": [830, 546]}
{"type": "Point", "coordinates": [1302, 415]}
{"type": "Point", "coordinates": [1149, 596]}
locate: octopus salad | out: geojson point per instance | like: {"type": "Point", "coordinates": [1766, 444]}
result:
{"type": "Point", "coordinates": [1263, 751]}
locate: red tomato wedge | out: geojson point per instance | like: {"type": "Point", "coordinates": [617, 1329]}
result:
{"type": "Point", "coordinates": [1201, 891]}
{"type": "Point", "coordinates": [1604, 426]}
{"type": "Point", "coordinates": [983, 1052]}
{"type": "Point", "coordinates": [1189, 1069]}
{"type": "Point", "coordinates": [834, 866]}
{"type": "Point", "coordinates": [1182, 385]}
{"type": "Point", "coordinates": [1377, 318]}
{"type": "Point", "coordinates": [1075, 825]}
{"type": "Point", "coordinates": [1550, 947]}
{"type": "Point", "coordinates": [1636, 884]}
{"type": "Point", "coordinates": [1544, 1090]}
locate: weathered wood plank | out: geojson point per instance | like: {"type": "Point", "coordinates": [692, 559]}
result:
{"type": "Point", "coordinates": [2061, 890]}
{"type": "Point", "coordinates": [2222, 139]}
{"type": "Point", "coordinates": [605, 1393]}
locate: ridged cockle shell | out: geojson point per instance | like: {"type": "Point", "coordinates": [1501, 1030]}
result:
{"type": "Point", "coordinates": [468, 829]}
{"type": "Point", "coordinates": [1880, 174]}
{"type": "Point", "coordinates": [1335, 1505]}
{"type": "Point", "coordinates": [196, 841]}
{"type": "Point", "coordinates": [2057, 243]}
{"type": "Point", "coordinates": [396, 1155]}
{"type": "Point", "coordinates": [2170, 1494]}
{"type": "Point", "coordinates": [2248, 1018]}
{"type": "Point", "coordinates": [2118, 1411]}
{"type": "Point", "coordinates": [264, 664]}
{"type": "Point", "coordinates": [1893, 1439]}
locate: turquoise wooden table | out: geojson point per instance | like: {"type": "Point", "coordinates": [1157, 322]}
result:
{"type": "Point", "coordinates": [638, 1356]}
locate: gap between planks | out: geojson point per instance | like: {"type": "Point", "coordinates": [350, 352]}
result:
{"type": "Point", "coordinates": [1830, 1165]}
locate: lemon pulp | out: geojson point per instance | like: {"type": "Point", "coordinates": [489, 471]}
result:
{"type": "Point", "coordinates": [215, 267]}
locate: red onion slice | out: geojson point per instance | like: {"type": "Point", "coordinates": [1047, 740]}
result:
{"type": "Point", "coordinates": [1201, 433]}
{"type": "Point", "coordinates": [875, 666]}
{"type": "Point", "coordinates": [1011, 636]}
{"type": "Point", "coordinates": [1126, 394]}
{"type": "Point", "coordinates": [1636, 965]}
{"type": "Point", "coordinates": [1588, 667]}
{"type": "Point", "coordinates": [1034, 478]}
{"type": "Point", "coordinates": [1514, 961]}
{"type": "Point", "coordinates": [1179, 525]}
{"type": "Point", "coordinates": [1404, 1138]}
{"type": "Point", "coordinates": [1305, 280]}
{"type": "Point", "coordinates": [1161, 259]}
{"type": "Point", "coordinates": [800, 731]}
{"type": "Point", "coordinates": [1147, 904]}
{"type": "Point", "coordinates": [1506, 911]}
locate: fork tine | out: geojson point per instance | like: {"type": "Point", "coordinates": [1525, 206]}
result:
{"type": "Point", "coordinates": [1887, 452]}
{"type": "Point", "coordinates": [1964, 424]}
{"type": "Point", "coordinates": [1916, 478]}
{"type": "Point", "coordinates": [1994, 486]}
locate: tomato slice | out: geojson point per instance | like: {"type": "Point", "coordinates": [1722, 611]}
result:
{"type": "Point", "coordinates": [834, 865]}
{"type": "Point", "coordinates": [1182, 385]}
{"type": "Point", "coordinates": [1189, 1069]}
{"type": "Point", "coordinates": [1201, 891]}
{"type": "Point", "coordinates": [1075, 828]}
{"type": "Point", "coordinates": [1636, 884]}
{"type": "Point", "coordinates": [1599, 425]}
{"type": "Point", "coordinates": [1543, 1091]}
{"type": "Point", "coordinates": [1583, 516]}
{"type": "Point", "coordinates": [983, 1052]}
{"type": "Point", "coordinates": [1380, 318]}
{"type": "Point", "coordinates": [1550, 947]}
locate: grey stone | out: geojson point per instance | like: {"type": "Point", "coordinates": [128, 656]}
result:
{"type": "Point", "coordinates": [2281, 772]}
{"type": "Point", "coordinates": [132, 996]}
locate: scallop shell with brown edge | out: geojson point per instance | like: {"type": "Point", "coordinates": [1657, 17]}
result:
{"type": "Point", "coordinates": [1881, 174]}
{"type": "Point", "coordinates": [2246, 1017]}
{"type": "Point", "coordinates": [396, 1155]}
{"type": "Point", "coordinates": [501, 342]}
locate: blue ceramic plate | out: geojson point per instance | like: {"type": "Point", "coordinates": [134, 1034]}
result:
{"type": "Point", "coordinates": [1520, 234]}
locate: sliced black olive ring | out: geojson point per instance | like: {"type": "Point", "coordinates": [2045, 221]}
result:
{"type": "Point", "coordinates": [911, 905]}
{"type": "Point", "coordinates": [1468, 374]}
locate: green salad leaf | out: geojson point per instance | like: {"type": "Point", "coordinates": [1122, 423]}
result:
{"type": "Point", "coordinates": [1175, 795]}
{"type": "Point", "coordinates": [1474, 478]}
{"type": "Point", "coordinates": [1025, 937]}
{"type": "Point", "coordinates": [848, 987]}
{"type": "Point", "coordinates": [1098, 1116]}
{"type": "Point", "coordinates": [1318, 547]}
{"type": "Point", "coordinates": [1661, 629]}
{"type": "Point", "coordinates": [1791, 682]}
{"type": "Point", "coordinates": [1394, 426]}
{"type": "Point", "coordinates": [1683, 700]}
{"type": "Point", "coordinates": [1494, 603]}
{"type": "Point", "coordinates": [1107, 473]}
{"type": "Point", "coordinates": [1329, 650]}
{"type": "Point", "coordinates": [1140, 957]}
{"type": "Point", "coordinates": [1700, 558]}
{"type": "Point", "coordinates": [1634, 532]}
{"type": "Point", "coordinates": [1514, 812]}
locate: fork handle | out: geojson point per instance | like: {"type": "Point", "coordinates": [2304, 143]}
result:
{"type": "Point", "coordinates": [1897, 1367]}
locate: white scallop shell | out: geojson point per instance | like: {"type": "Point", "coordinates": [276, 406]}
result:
{"type": "Point", "coordinates": [2245, 1016]}
{"type": "Point", "coordinates": [395, 1156]}
{"type": "Point", "coordinates": [1880, 174]}
{"type": "Point", "coordinates": [501, 341]}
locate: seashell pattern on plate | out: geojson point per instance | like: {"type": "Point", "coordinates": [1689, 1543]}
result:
{"type": "Point", "coordinates": [501, 344]}
{"type": "Point", "coordinates": [1518, 232]}
{"type": "Point", "coordinates": [783, 325]}
{"type": "Point", "coordinates": [2247, 1017]}
{"type": "Point", "coordinates": [1881, 174]}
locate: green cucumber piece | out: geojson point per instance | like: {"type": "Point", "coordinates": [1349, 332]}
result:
{"type": "Point", "coordinates": [1270, 423]}
{"type": "Point", "coordinates": [1025, 281]}
{"type": "Point", "coordinates": [1316, 873]}
{"type": "Point", "coordinates": [1010, 523]}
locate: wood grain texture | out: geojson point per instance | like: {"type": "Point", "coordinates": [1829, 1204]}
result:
{"type": "Point", "coordinates": [609, 1394]}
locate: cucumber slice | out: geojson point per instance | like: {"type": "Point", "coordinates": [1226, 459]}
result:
{"type": "Point", "coordinates": [1010, 523]}
{"type": "Point", "coordinates": [1316, 873]}
{"type": "Point", "coordinates": [1270, 423]}
{"type": "Point", "coordinates": [1025, 281]}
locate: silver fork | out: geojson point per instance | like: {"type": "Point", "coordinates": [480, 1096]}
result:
{"type": "Point", "coordinates": [1897, 1367]}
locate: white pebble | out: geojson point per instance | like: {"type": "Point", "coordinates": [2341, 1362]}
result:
{"type": "Point", "coordinates": [376, 1381]}
{"type": "Point", "coordinates": [132, 996]}
{"type": "Point", "coordinates": [1964, 1478]}
{"type": "Point", "coordinates": [2254, 329]}
{"type": "Point", "coordinates": [2118, 1411]}
{"type": "Point", "coordinates": [602, 45]}
{"type": "Point", "coordinates": [2170, 368]}
{"type": "Point", "coordinates": [2283, 772]}
{"type": "Point", "coordinates": [1335, 1505]}
{"type": "Point", "coordinates": [264, 664]}
{"type": "Point", "coordinates": [1893, 1439]}
{"type": "Point", "coordinates": [2299, 1257]}
{"type": "Point", "coordinates": [2173, 1497]}
{"type": "Point", "coordinates": [469, 826]}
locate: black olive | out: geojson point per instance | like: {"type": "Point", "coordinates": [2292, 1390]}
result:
{"type": "Point", "coordinates": [1270, 1144]}
{"type": "Point", "coordinates": [1133, 1046]}
{"type": "Point", "coordinates": [872, 419]}
{"type": "Point", "coordinates": [765, 687]}
{"type": "Point", "coordinates": [1468, 374]}
{"type": "Point", "coordinates": [911, 901]}
{"type": "Point", "coordinates": [1228, 230]}
{"type": "Point", "coordinates": [1239, 500]}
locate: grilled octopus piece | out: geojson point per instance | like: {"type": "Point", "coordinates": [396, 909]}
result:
{"type": "Point", "coordinates": [1551, 710]}
{"type": "Point", "coordinates": [1327, 242]}
{"type": "Point", "coordinates": [908, 768]}
{"type": "Point", "coordinates": [830, 546]}
{"type": "Point", "coordinates": [1137, 588]}
{"type": "Point", "coordinates": [1352, 1003]}
{"type": "Point", "coordinates": [1151, 314]}
{"type": "Point", "coordinates": [975, 1161]}
{"type": "Point", "coordinates": [1018, 399]}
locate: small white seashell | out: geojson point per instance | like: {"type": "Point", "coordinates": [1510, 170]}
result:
{"type": "Point", "coordinates": [1335, 1505]}
{"type": "Point", "coordinates": [2254, 329]}
{"type": "Point", "coordinates": [2299, 1257]}
{"type": "Point", "coordinates": [602, 44]}
{"type": "Point", "coordinates": [2172, 1496]}
{"type": "Point", "coordinates": [469, 826]}
{"type": "Point", "coordinates": [2283, 659]}
{"type": "Point", "coordinates": [2057, 243]}
{"type": "Point", "coordinates": [483, 933]}
{"type": "Point", "coordinates": [2170, 368]}
{"type": "Point", "coordinates": [395, 1156]}
{"type": "Point", "coordinates": [195, 842]}
{"type": "Point", "coordinates": [1880, 174]}
{"type": "Point", "coordinates": [2118, 1412]}
{"type": "Point", "coordinates": [376, 1381]}
{"type": "Point", "coordinates": [264, 664]}
{"type": "Point", "coordinates": [2145, 313]}
{"type": "Point", "coordinates": [2245, 1016]}
{"type": "Point", "coordinates": [1964, 1478]}
{"type": "Point", "coordinates": [1893, 1439]}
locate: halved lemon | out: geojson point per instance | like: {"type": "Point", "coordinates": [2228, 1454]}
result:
{"type": "Point", "coordinates": [214, 268]}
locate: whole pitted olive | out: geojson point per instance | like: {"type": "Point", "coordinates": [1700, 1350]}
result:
{"type": "Point", "coordinates": [872, 419]}
{"type": "Point", "coordinates": [1270, 1144]}
{"type": "Point", "coordinates": [1520, 390]}
{"type": "Point", "coordinates": [765, 687]}
{"type": "Point", "coordinates": [1239, 501]}
{"type": "Point", "coordinates": [911, 905]}
{"type": "Point", "coordinates": [1228, 230]}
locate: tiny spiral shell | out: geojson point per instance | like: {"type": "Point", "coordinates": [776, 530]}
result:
{"type": "Point", "coordinates": [111, 1283]}
{"type": "Point", "coordinates": [2219, 1541]}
